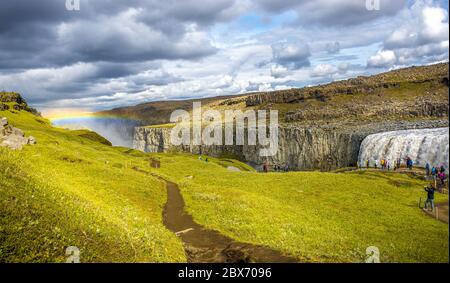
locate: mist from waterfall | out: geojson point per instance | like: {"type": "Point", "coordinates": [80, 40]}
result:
{"type": "Point", "coordinates": [421, 145]}
{"type": "Point", "coordinates": [118, 131]}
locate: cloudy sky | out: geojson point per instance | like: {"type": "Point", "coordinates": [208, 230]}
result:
{"type": "Point", "coordinates": [118, 53]}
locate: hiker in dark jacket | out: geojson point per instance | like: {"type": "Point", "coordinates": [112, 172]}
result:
{"type": "Point", "coordinates": [430, 197]}
{"type": "Point", "coordinates": [442, 169]}
{"type": "Point", "coordinates": [409, 163]}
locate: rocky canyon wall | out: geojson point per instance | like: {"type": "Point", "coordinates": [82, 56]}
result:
{"type": "Point", "coordinates": [299, 147]}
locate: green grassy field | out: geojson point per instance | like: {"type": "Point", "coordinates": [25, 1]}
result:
{"type": "Point", "coordinates": [318, 217]}
{"type": "Point", "coordinates": [70, 189]}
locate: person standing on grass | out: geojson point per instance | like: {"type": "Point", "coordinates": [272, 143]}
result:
{"type": "Point", "coordinates": [433, 171]}
{"type": "Point", "coordinates": [442, 176]}
{"type": "Point", "coordinates": [376, 163]}
{"type": "Point", "coordinates": [409, 163]}
{"type": "Point", "coordinates": [265, 167]}
{"type": "Point", "coordinates": [427, 169]}
{"type": "Point", "coordinates": [430, 197]}
{"type": "Point", "coordinates": [367, 163]}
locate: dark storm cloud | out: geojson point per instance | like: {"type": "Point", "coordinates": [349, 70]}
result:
{"type": "Point", "coordinates": [43, 33]}
{"type": "Point", "coordinates": [115, 52]}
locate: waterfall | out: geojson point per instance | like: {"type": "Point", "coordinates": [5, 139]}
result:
{"type": "Point", "coordinates": [421, 145]}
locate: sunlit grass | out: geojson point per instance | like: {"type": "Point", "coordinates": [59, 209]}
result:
{"type": "Point", "coordinates": [69, 190]}
{"type": "Point", "coordinates": [72, 190]}
{"type": "Point", "coordinates": [312, 215]}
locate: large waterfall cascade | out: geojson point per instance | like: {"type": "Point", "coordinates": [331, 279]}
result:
{"type": "Point", "coordinates": [421, 145]}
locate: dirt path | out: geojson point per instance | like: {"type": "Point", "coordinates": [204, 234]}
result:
{"type": "Point", "coordinates": [442, 212]}
{"type": "Point", "coordinates": [208, 246]}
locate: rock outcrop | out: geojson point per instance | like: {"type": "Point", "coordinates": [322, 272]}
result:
{"type": "Point", "coordinates": [12, 137]}
{"type": "Point", "coordinates": [300, 148]}
{"type": "Point", "coordinates": [416, 108]}
{"type": "Point", "coordinates": [17, 101]}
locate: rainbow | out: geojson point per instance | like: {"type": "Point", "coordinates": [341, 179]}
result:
{"type": "Point", "coordinates": [61, 116]}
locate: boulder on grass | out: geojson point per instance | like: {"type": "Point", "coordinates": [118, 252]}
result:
{"type": "Point", "coordinates": [13, 138]}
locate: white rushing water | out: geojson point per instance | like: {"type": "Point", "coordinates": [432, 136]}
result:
{"type": "Point", "coordinates": [421, 145]}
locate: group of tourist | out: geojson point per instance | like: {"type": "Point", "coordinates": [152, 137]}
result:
{"type": "Point", "coordinates": [385, 164]}
{"type": "Point", "coordinates": [279, 168]}
{"type": "Point", "coordinates": [437, 173]}
{"type": "Point", "coordinates": [276, 167]}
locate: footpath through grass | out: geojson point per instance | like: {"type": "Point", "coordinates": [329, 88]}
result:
{"type": "Point", "coordinates": [318, 217]}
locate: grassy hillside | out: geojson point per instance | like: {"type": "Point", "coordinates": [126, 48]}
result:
{"type": "Point", "coordinates": [69, 190]}
{"type": "Point", "coordinates": [72, 190]}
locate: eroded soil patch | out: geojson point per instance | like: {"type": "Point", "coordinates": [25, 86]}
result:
{"type": "Point", "coordinates": [209, 246]}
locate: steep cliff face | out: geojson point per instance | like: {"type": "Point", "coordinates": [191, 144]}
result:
{"type": "Point", "coordinates": [299, 148]}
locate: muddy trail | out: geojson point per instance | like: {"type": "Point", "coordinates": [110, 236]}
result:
{"type": "Point", "coordinates": [208, 246]}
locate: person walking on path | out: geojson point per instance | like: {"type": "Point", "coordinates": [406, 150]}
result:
{"type": "Point", "coordinates": [430, 197]}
